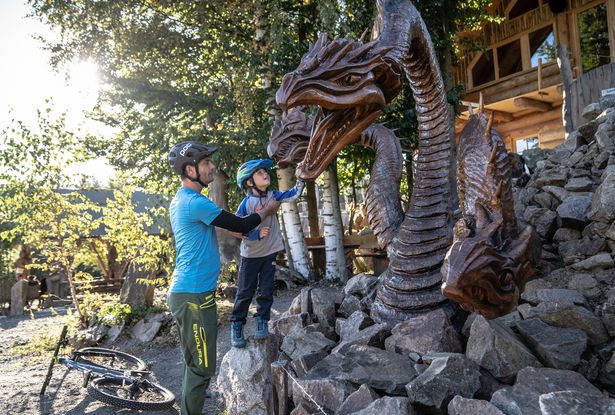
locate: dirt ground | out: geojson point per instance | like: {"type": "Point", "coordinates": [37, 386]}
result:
{"type": "Point", "coordinates": [21, 378]}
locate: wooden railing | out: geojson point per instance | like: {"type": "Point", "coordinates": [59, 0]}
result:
{"type": "Point", "coordinates": [509, 28]}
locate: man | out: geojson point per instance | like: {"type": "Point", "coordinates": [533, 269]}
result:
{"type": "Point", "coordinates": [191, 296]}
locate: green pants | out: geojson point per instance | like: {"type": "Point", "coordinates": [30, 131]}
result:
{"type": "Point", "coordinates": [197, 324]}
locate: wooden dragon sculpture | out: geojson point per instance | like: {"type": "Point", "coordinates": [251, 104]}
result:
{"type": "Point", "coordinates": [351, 83]}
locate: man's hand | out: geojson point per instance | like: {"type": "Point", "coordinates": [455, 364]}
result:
{"type": "Point", "coordinates": [238, 235]}
{"type": "Point", "coordinates": [264, 232]}
{"type": "Point", "coordinates": [271, 208]}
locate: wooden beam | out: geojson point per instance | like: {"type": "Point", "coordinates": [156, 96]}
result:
{"type": "Point", "coordinates": [532, 129]}
{"type": "Point", "coordinates": [534, 119]}
{"type": "Point", "coordinates": [551, 135]}
{"type": "Point", "coordinates": [533, 104]}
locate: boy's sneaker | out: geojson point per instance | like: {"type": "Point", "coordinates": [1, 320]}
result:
{"type": "Point", "coordinates": [237, 339]}
{"type": "Point", "coordinates": [262, 328]}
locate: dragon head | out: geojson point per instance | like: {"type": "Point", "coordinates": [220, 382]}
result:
{"type": "Point", "coordinates": [484, 274]}
{"type": "Point", "coordinates": [289, 137]}
{"type": "Point", "coordinates": [350, 82]}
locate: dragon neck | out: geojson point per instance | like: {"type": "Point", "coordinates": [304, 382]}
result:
{"type": "Point", "coordinates": [420, 244]}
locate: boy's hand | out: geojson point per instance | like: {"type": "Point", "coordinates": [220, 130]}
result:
{"type": "Point", "coordinates": [238, 235]}
{"type": "Point", "coordinates": [264, 232]}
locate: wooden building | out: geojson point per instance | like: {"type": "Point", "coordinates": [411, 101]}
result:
{"type": "Point", "coordinates": [518, 72]}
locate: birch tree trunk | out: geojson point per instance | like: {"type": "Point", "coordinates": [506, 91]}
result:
{"type": "Point", "coordinates": [335, 260]}
{"type": "Point", "coordinates": [228, 245]}
{"type": "Point", "coordinates": [566, 73]}
{"type": "Point", "coordinates": [294, 231]}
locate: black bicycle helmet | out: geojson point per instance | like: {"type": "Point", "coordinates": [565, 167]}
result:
{"type": "Point", "coordinates": [188, 152]}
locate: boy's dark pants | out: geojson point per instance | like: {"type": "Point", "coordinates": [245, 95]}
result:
{"type": "Point", "coordinates": [197, 324]}
{"type": "Point", "coordinates": [254, 273]}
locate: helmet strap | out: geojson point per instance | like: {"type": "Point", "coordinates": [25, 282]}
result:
{"type": "Point", "coordinates": [198, 176]}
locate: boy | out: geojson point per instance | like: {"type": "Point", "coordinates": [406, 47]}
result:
{"type": "Point", "coordinates": [259, 248]}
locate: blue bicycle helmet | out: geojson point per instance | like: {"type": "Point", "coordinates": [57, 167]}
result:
{"type": "Point", "coordinates": [247, 169]}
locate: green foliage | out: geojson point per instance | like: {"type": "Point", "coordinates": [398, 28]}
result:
{"type": "Point", "coordinates": [105, 309]}
{"type": "Point", "coordinates": [228, 272]}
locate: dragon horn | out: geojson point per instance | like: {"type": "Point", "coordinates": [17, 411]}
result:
{"type": "Point", "coordinates": [490, 124]}
{"type": "Point", "coordinates": [363, 35]}
{"type": "Point", "coordinates": [470, 109]}
{"type": "Point", "coordinates": [481, 103]}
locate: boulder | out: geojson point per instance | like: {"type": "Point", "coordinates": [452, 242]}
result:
{"type": "Point", "coordinates": [360, 284]}
{"type": "Point", "coordinates": [145, 330]}
{"type": "Point", "coordinates": [568, 315]}
{"type": "Point", "coordinates": [19, 294]}
{"type": "Point", "coordinates": [429, 332]}
{"type": "Point", "coordinates": [285, 324]}
{"type": "Point", "coordinates": [302, 341]}
{"type": "Point", "coordinates": [605, 133]}
{"type": "Point", "coordinates": [388, 405]}
{"type": "Point", "coordinates": [303, 364]}
{"type": "Point", "coordinates": [602, 260]}
{"type": "Point", "coordinates": [324, 301]}
{"type": "Point", "coordinates": [314, 394]}
{"type": "Point", "coordinates": [572, 402]}
{"type": "Point", "coordinates": [573, 211]}
{"type": "Point", "coordinates": [602, 208]}
{"type": "Point", "coordinates": [531, 289]}
{"type": "Point", "coordinates": [372, 336]}
{"type": "Point", "coordinates": [560, 295]}
{"type": "Point", "coordinates": [591, 111]}
{"type": "Point", "coordinates": [544, 221]}
{"type": "Point", "coordinates": [358, 400]}
{"type": "Point", "coordinates": [245, 380]}
{"type": "Point", "coordinates": [357, 321]}
{"type": "Point", "coordinates": [464, 406]}
{"type": "Point", "coordinates": [557, 347]}
{"type": "Point", "coordinates": [445, 378]}
{"type": "Point", "coordinates": [524, 397]}
{"type": "Point", "coordinates": [566, 234]}
{"type": "Point", "coordinates": [381, 370]}
{"type": "Point", "coordinates": [496, 348]}
{"type": "Point", "coordinates": [551, 177]}
{"type": "Point", "coordinates": [349, 306]}
{"type": "Point", "coordinates": [579, 184]}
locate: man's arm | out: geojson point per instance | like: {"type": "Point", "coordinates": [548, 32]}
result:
{"type": "Point", "coordinates": [226, 220]}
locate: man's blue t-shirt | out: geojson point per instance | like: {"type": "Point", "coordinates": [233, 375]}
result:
{"type": "Point", "coordinates": [197, 261]}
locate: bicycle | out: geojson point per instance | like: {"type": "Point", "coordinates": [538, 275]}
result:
{"type": "Point", "coordinates": [113, 377]}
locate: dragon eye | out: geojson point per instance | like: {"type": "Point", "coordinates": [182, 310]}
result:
{"type": "Point", "coordinates": [350, 79]}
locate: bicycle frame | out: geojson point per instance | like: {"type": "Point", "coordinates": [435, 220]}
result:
{"type": "Point", "coordinates": [100, 371]}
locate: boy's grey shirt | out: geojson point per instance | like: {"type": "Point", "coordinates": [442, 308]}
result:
{"type": "Point", "coordinates": [253, 247]}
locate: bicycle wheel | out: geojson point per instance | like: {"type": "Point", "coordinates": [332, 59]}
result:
{"type": "Point", "coordinates": [109, 359]}
{"type": "Point", "coordinates": [141, 395]}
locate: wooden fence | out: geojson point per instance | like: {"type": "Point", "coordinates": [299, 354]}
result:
{"type": "Point", "coordinates": [587, 89]}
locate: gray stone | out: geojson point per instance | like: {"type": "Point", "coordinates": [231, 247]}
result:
{"type": "Point", "coordinates": [531, 290]}
{"type": "Point", "coordinates": [558, 192]}
{"type": "Point", "coordinates": [358, 400]}
{"type": "Point", "coordinates": [467, 325]}
{"type": "Point", "coordinates": [245, 380]}
{"type": "Point", "coordinates": [571, 403]}
{"type": "Point", "coordinates": [545, 200]}
{"type": "Point", "coordinates": [607, 372]}
{"type": "Point", "coordinates": [588, 130]}
{"type": "Point", "coordinates": [603, 203]}
{"type": "Point", "coordinates": [575, 140]}
{"type": "Point", "coordinates": [303, 341]}
{"type": "Point", "coordinates": [509, 319]}
{"type": "Point", "coordinates": [145, 331]}
{"type": "Point", "coordinates": [303, 364]}
{"type": "Point", "coordinates": [445, 378]}
{"type": "Point", "coordinates": [497, 349]}
{"type": "Point", "coordinates": [611, 232]}
{"type": "Point", "coordinates": [372, 336]}
{"type": "Point", "coordinates": [566, 234]}
{"type": "Point", "coordinates": [571, 251]}
{"type": "Point", "coordinates": [349, 306]}
{"type": "Point", "coordinates": [114, 333]}
{"type": "Point", "coordinates": [560, 295]}
{"type": "Point", "coordinates": [427, 332]}
{"type": "Point", "coordinates": [382, 370]}
{"type": "Point", "coordinates": [576, 157]}
{"type": "Point", "coordinates": [603, 260]}
{"type": "Point", "coordinates": [557, 347]}
{"type": "Point", "coordinates": [313, 394]}
{"type": "Point", "coordinates": [533, 156]}
{"type": "Point", "coordinates": [360, 284]}
{"type": "Point", "coordinates": [284, 325]}
{"type": "Point", "coordinates": [605, 134]}
{"type": "Point", "coordinates": [388, 405]}
{"type": "Point", "coordinates": [524, 397]}
{"type": "Point", "coordinates": [323, 304]}
{"type": "Point", "coordinates": [596, 230]}
{"type": "Point", "coordinates": [552, 177]}
{"type": "Point", "coordinates": [568, 315]}
{"type": "Point", "coordinates": [544, 221]}
{"type": "Point", "coordinates": [357, 321]}
{"type": "Point", "coordinates": [295, 305]}
{"type": "Point", "coordinates": [582, 282]}
{"type": "Point", "coordinates": [573, 211]}
{"type": "Point", "coordinates": [591, 111]}
{"type": "Point", "coordinates": [463, 406]}
{"type": "Point", "coordinates": [608, 319]}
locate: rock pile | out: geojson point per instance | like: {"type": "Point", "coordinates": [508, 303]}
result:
{"type": "Point", "coordinates": [553, 355]}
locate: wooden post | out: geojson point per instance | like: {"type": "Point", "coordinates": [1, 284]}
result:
{"type": "Point", "coordinates": [566, 71]}
{"type": "Point", "coordinates": [539, 74]}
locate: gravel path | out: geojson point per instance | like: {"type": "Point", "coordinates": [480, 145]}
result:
{"type": "Point", "coordinates": [21, 377]}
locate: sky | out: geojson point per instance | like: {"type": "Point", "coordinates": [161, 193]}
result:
{"type": "Point", "coordinates": [27, 80]}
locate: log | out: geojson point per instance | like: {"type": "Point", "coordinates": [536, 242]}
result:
{"type": "Point", "coordinates": [566, 73]}
{"type": "Point", "coordinates": [551, 135]}
{"type": "Point", "coordinates": [533, 119]}
{"type": "Point", "coordinates": [533, 104]}
{"type": "Point", "coordinates": [533, 129]}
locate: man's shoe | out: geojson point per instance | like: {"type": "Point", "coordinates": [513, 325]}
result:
{"type": "Point", "coordinates": [237, 339]}
{"type": "Point", "coordinates": [262, 328]}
